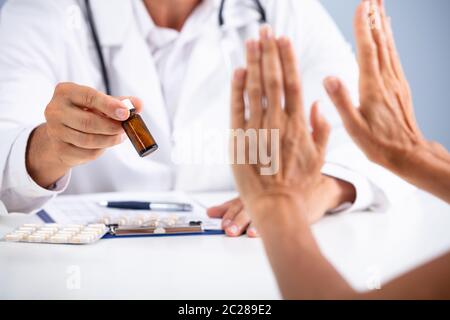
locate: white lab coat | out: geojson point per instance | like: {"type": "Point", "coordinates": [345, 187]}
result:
{"type": "Point", "coordinates": [46, 42]}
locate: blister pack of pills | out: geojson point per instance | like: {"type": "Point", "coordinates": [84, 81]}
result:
{"type": "Point", "coordinates": [146, 220]}
{"type": "Point", "coordinates": [56, 233]}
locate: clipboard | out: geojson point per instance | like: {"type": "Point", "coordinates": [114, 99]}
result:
{"type": "Point", "coordinates": [116, 231]}
{"type": "Point", "coordinates": [64, 207]}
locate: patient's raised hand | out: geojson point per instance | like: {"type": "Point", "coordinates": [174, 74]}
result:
{"type": "Point", "coordinates": [384, 125]}
{"type": "Point", "coordinates": [276, 122]}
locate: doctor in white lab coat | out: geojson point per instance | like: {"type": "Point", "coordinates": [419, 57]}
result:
{"type": "Point", "coordinates": [181, 76]}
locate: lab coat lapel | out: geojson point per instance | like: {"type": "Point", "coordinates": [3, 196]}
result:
{"type": "Point", "coordinates": [217, 52]}
{"type": "Point", "coordinates": [113, 19]}
{"type": "Point", "coordinates": [205, 73]}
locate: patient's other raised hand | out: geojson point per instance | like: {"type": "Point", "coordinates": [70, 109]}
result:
{"type": "Point", "coordinates": [384, 125]}
{"type": "Point", "coordinates": [272, 85]}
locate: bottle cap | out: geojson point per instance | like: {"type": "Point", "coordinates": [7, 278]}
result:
{"type": "Point", "coordinates": [128, 104]}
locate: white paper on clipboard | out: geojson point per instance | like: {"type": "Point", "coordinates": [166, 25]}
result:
{"type": "Point", "coordinates": [85, 209]}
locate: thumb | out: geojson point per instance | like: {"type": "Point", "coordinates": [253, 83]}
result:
{"type": "Point", "coordinates": [137, 103]}
{"type": "Point", "coordinates": [320, 126]}
{"type": "Point", "coordinates": [219, 210]}
{"type": "Point", "coordinates": [340, 96]}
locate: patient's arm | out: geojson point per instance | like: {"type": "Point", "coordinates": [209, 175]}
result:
{"type": "Point", "coordinates": [384, 125]}
{"type": "Point", "coordinates": [280, 203]}
{"type": "Point", "coordinates": [304, 273]}
{"type": "Point", "coordinates": [430, 281]}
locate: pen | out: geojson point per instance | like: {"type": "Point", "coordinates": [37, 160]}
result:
{"type": "Point", "coordinates": [140, 205]}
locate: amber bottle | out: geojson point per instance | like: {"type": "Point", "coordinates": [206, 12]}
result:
{"type": "Point", "coordinates": [138, 133]}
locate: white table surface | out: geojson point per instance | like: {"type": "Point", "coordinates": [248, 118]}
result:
{"type": "Point", "coordinates": [362, 246]}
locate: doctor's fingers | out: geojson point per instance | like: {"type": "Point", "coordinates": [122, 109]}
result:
{"type": "Point", "coordinates": [272, 77]}
{"type": "Point", "coordinates": [253, 86]}
{"type": "Point", "coordinates": [232, 209]}
{"type": "Point", "coordinates": [238, 223]}
{"type": "Point", "coordinates": [220, 210]}
{"type": "Point", "coordinates": [86, 97]}
{"type": "Point", "coordinates": [82, 120]}
{"type": "Point", "coordinates": [252, 232]}
{"type": "Point", "coordinates": [87, 140]}
{"type": "Point", "coordinates": [73, 156]}
{"type": "Point", "coordinates": [291, 79]}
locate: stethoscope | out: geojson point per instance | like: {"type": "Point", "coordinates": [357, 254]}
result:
{"type": "Point", "coordinates": [95, 38]}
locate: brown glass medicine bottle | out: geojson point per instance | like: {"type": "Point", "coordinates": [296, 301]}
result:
{"type": "Point", "coordinates": [137, 132]}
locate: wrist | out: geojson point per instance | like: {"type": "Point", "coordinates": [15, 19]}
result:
{"type": "Point", "coordinates": [411, 159]}
{"type": "Point", "coordinates": [312, 203]}
{"type": "Point", "coordinates": [337, 192]}
{"type": "Point", "coordinates": [42, 164]}
{"type": "Point", "coordinates": [422, 161]}
{"type": "Point", "coordinates": [278, 209]}
{"type": "Point", "coordinates": [401, 159]}
{"type": "Point", "coordinates": [428, 171]}
{"type": "Point", "coordinates": [439, 151]}
{"type": "Point", "coordinates": [284, 203]}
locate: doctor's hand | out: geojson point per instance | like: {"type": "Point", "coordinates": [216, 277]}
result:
{"type": "Point", "coordinates": [272, 85]}
{"type": "Point", "coordinates": [235, 220]}
{"type": "Point", "coordinates": [81, 123]}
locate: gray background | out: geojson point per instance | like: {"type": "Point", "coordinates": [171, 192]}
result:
{"type": "Point", "coordinates": [422, 32]}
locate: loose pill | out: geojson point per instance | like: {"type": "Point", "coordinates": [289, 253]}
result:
{"type": "Point", "coordinates": [59, 239]}
{"type": "Point", "coordinates": [32, 225]}
{"type": "Point", "coordinates": [36, 238]}
{"type": "Point", "coordinates": [159, 230]}
{"type": "Point", "coordinates": [82, 239]}
{"type": "Point", "coordinates": [24, 232]}
{"type": "Point", "coordinates": [13, 237]}
{"type": "Point", "coordinates": [28, 229]}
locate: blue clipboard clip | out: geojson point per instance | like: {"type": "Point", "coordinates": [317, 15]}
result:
{"type": "Point", "coordinates": [117, 231]}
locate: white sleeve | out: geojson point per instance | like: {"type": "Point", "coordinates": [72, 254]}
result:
{"type": "Point", "coordinates": [322, 51]}
{"type": "Point", "coordinates": [3, 210]}
{"type": "Point", "coordinates": [30, 59]}
{"type": "Point", "coordinates": [19, 192]}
